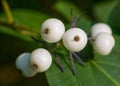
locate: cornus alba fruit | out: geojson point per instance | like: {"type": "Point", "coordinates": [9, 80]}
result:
{"type": "Point", "coordinates": [40, 60]}
{"type": "Point", "coordinates": [74, 39]}
{"type": "Point", "coordinates": [103, 43]}
{"type": "Point", "coordinates": [98, 28]}
{"type": "Point", "coordinates": [52, 30]}
{"type": "Point", "coordinates": [23, 64]}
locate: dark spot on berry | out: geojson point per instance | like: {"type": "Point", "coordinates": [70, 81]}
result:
{"type": "Point", "coordinates": [35, 66]}
{"type": "Point", "coordinates": [46, 31]}
{"type": "Point", "coordinates": [18, 72]}
{"type": "Point", "coordinates": [76, 38]}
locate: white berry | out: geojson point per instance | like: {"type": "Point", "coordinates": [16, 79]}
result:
{"type": "Point", "coordinates": [98, 28]}
{"type": "Point", "coordinates": [74, 39]}
{"type": "Point", "coordinates": [23, 64]}
{"type": "Point", "coordinates": [52, 30]}
{"type": "Point", "coordinates": [40, 60]}
{"type": "Point", "coordinates": [103, 43]}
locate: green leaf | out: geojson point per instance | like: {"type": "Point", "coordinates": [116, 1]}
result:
{"type": "Point", "coordinates": [114, 19]}
{"type": "Point", "coordinates": [102, 71]}
{"type": "Point", "coordinates": [56, 77]}
{"type": "Point", "coordinates": [29, 18]}
{"type": "Point", "coordinates": [102, 10]}
{"type": "Point", "coordinates": [106, 68]}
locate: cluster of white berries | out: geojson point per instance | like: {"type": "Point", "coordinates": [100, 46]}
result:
{"type": "Point", "coordinates": [103, 41]}
{"type": "Point", "coordinates": [74, 40]}
{"type": "Point", "coordinates": [30, 63]}
{"type": "Point", "coordinates": [53, 30]}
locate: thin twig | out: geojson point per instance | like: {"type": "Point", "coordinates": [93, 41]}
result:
{"type": "Point", "coordinates": [81, 16]}
{"type": "Point", "coordinates": [73, 23]}
{"type": "Point", "coordinates": [73, 17]}
{"type": "Point", "coordinates": [55, 46]}
{"type": "Point", "coordinates": [72, 63]}
{"type": "Point", "coordinates": [71, 12]}
{"type": "Point", "coordinates": [25, 30]}
{"type": "Point", "coordinates": [79, 59]}
{"type": "Point", "coordinates": [7, 11]}
{"type": "Point", "coordinates": [59, 64]}
{"type": "Point", "coordinates": [37, 40]}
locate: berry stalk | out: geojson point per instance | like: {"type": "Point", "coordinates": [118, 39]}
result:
{"type": "Point", "coordinates": [7, 11]}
